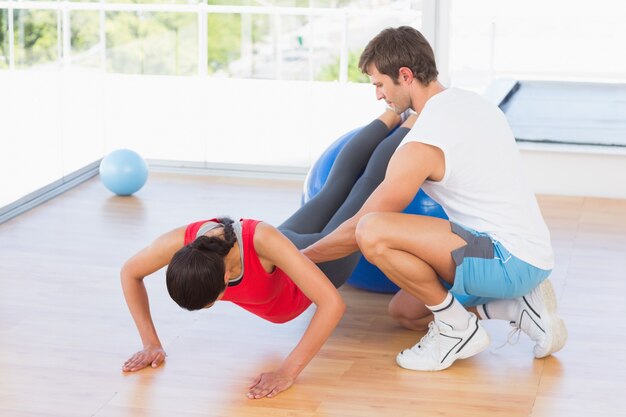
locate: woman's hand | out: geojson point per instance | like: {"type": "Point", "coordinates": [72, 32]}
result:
{"type": "Point", "coordinates": [274, 247]}
{"type": "Point", "coordinates": [269, 384]}
{"type": "Point", "coordinates": [149, 356]}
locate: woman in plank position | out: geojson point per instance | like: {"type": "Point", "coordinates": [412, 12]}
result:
{"type": "Point", "coordinates": [259, 267]}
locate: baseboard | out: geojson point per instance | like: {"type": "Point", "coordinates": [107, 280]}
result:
{"type": "Point", "coordinates": [48, 192]}
{"type": "Point", "coordinates": [271, 172]}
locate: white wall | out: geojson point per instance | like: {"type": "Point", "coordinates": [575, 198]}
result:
{"type": "Point", "coordinates": [576, 170]}
{"type": "Point", "coordinates": [53, 123]}
{"type": "Point", "coordinates": [283, 123]}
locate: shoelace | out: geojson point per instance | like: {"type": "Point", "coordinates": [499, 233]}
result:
{"type": "Point", "coordinates": [516, 331]}
{"type": "Point", "coordinates": [425, 341]}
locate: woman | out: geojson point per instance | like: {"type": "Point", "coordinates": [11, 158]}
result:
{"type": "Point", "coordinates": [259, 267]}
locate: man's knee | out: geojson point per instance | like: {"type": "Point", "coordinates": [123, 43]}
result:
{"type": "Point", "coordinates": [369, 234]}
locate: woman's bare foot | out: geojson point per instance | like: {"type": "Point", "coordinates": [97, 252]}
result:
{"type": "Point", "coordinates": [410, 121]}
{"type": "Point", "coordinates": [390, 118]}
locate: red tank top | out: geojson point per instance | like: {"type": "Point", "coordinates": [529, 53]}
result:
{"type": "Point", "coordinates": [274, 296]}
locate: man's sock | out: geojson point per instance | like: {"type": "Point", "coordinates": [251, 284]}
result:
{"type": "Point", "coordinates": [498, 310]}
{"type": "Point", "coordinates": [451, 312]}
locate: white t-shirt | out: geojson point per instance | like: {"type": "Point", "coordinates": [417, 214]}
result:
{"type": "Point", "coordinates": [483, 187]}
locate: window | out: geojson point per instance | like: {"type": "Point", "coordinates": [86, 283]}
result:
{"type": "Point", "coordinates": [568, 40]}
{"type": "Point", "coordinates": [281, 39]}
{"type": "Point", "coordinates": [566, 57]}
{"type": "Point", "coordinates": [4, 39]}
{"type": "Point", "coordinates": [35, 33]}
{"type": "Point", "coordinates": [166, 77]}
{"type": "Point", "coordinates": [159, 43]}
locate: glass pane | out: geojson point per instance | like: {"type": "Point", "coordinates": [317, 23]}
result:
{"type": "Point", "coordinates": [36, 38]}
{"type": "Point", "coordinates": [291, 47]}
{"type": "Point", "coordinates": [256, 57]}
{"type": "Point", "coordinates": [4, 39]}
{"type": "Point", "coordinates": [567, 40]}
{"type": "Point", "coordinates": [223, 43]}
{"type": "Point", "coordinates": [330, 71]}
{"type": "Point", "coordinates": [326, 43]}
{"type": "Point", "coordinates": [259, 46]}
{"type": "Point", "coordinates": [163, 43]}
{"type": "Point", "coordinates": [257, 49]}
{"type": "Point", "coordinates": [85, 42]}
{"type": "Point", "coordinates": [294, 61]}
{"type": "Point", "coordinates": [361, 29]}
{"type": "Point", "coordinates": [369, 4]}
{"type": "Point", "coordinates": [150, 1]}
{"type": "Point", "coordinates": [365, 4]}
{"type": "Point", "coordinates": [291, 3]}
{"type": "Point", "coordinates": [232, 3]}
{"type": "Point", "coordinates": [327, 33]}
{"type": "Point", "coordinates": [551, 48]}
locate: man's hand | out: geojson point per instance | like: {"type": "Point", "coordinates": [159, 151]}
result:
{"type": "Point", "coordinates": [309, 254]}
{"type": "Point", "coordinates": [269, 384]}
{"type": "Point", "coordinates": [149, 356]}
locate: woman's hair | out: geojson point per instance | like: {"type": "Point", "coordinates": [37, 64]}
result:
{"type": "Point", "coordinates": [195, 275]}
{"type": "Point", "coordinates": [394, 48]}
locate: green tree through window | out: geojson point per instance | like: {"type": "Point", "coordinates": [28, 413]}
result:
{"type": "Point", "coordinates": [331, 71]}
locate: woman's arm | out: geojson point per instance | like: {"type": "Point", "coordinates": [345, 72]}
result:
{"type": "Point", "coordinates": [145, 262]}
{"type": "Point", "coordinates": [271, 245]}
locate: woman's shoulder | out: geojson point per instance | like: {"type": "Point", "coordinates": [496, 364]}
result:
{"type": "Point", "coordinates": [264, 236]}
{"type": "Point", "coordinates": [190, 231]}
{"type": "Point", "coordinates": [253, 226]}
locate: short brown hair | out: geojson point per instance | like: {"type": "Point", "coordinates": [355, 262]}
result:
{"type": "Point", "coordinates": [394, 48]}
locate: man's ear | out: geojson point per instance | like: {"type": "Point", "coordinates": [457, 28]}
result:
{"type": "Point", "coordinates": [405, 74]}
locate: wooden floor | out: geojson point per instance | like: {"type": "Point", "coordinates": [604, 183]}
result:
{"type": "Point", "coordinates": [65, 330]}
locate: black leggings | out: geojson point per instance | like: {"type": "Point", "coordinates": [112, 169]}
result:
{"type": "Point", "coordinates": [358, 169]}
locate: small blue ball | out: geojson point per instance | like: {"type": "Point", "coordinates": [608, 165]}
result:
{"type": "Point", "coordinates": [123, 172]}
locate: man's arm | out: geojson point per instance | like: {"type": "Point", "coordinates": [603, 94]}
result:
{"type": "Point", "coordinates": [408, 168]}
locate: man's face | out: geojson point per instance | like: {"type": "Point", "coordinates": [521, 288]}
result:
{"type": "Point", "coordinates": [396, 95]}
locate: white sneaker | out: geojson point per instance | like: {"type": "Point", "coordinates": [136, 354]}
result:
{"type": "Point", "coordinates": [537, 317]}
{"type": "Point", "coordinates": [442, 345]}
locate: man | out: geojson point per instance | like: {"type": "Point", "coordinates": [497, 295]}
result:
{"type": "Point", "coordinates": [495, 251]}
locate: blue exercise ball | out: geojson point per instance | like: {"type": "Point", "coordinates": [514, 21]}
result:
{"type": "Point", "coordinates": [123, 172]}
{"type": "Point", "coordinates": [365, 276]}
{"type": "Point", "coordinates": [317, 175]}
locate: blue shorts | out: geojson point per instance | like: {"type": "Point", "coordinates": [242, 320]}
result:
{"type": "Point", "coordinates": [485, 270]}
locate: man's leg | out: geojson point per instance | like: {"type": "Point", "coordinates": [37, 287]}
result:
{"type": "Point", "coordinates": [412, 313]}
{"type": "Point", "coordinates": [414, 251]}
{"type": "Point", "coordinates": [535, 314]}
